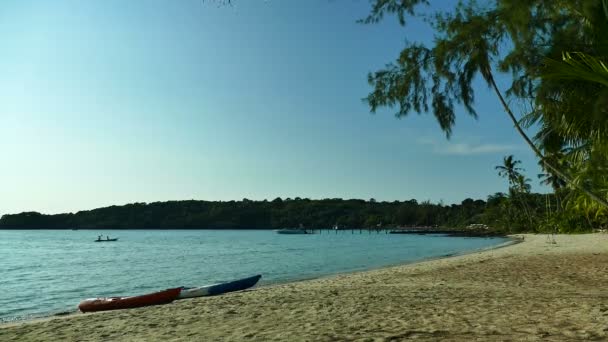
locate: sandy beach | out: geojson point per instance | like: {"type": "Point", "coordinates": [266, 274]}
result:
{"type": "Point", "coordinates": [534, 290]}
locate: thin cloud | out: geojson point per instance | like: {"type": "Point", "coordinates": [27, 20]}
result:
{"type": "Point", "coordinates": [466, 149]}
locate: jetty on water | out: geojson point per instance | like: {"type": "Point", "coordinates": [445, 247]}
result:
{"type": "Point", "coordinates": [472, 230]}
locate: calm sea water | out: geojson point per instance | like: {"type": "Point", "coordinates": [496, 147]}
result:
{"type": "Point", "coordinates": [50, 271]}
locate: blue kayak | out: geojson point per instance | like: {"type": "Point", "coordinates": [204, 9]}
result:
{"type": "Point", "coordinates": [217, 289]}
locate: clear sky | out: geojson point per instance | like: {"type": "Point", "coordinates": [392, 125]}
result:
{"type": "Point", "coordinates": [111, 102]}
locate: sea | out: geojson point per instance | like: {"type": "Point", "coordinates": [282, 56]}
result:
{"type": "Point", "coordinates": [48, 272]}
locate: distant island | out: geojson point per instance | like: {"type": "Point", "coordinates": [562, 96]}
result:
{"type": "Point", "coordinates": [278, 213]}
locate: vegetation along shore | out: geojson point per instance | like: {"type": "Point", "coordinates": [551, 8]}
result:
{"type": "Point", "coordinates": [499, 212]}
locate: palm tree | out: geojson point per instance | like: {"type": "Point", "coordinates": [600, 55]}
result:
{"type": "Point", "coordinates": [550, 178]}
{"type": "Point", "coordinates": [523, 184]}
{"type": "Point", "coordinates": [578, 87]}
{"type": "Point", "coordinates": [577, 66]}
{"type": "Point", "coordinates": [518, 183]}
{"type": "Point", "coordinates": [471, 41]}
{"type": "Point", "coordinates": [556, 183]}
{"type": "Point", "coordinates": [509, 169]}
{"type": "Point", "coordinates": [581, 66]}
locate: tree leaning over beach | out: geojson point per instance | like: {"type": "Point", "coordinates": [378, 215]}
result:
{"type": "Point", "coordinates": [516, 38]}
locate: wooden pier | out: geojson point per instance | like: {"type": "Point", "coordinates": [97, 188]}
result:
{"type": "Point", "coordinates": [410, 231]}
{"type": "Point", "coordinates": [352, 231]}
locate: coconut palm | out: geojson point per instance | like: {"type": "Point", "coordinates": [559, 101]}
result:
{"type": "Point", "coordinates": [578, 66]}
{"type": "Point", "coordinates": [514, 37]}
{"type": "Point", "coordinates": [519, 185]}
{"type": "Point", "coordinates": [509, 169]}
{"type": "Point", "coordinates": [549, 178]}
{"type": "Point", "coordinates": [578, 116]}
{"type": "Point", "coordinates": [585, 66]}
{"type": "Point", "coordinates": [554, 181]}
{"type": "Point", "coordinates": [523, 184]}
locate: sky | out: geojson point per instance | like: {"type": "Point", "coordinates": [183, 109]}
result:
{"type": "Point", "coordinates": [113, 102]}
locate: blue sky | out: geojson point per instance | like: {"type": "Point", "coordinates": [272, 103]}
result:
{"type": "Point", "coordinates": [112, 102]}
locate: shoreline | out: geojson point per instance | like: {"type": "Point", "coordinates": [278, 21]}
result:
{"type": "Point", "coordinates": [421, 231]}
{"type": "Point", "coordinates": [529, 291]}
{"type": "Point", "coordinates": [511, 240]}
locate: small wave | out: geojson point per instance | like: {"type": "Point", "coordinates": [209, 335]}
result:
{"type": "Point", "coordinates": [27, 317]}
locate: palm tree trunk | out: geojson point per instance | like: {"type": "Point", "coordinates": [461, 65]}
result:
{"type": "Point", "coordinates": [521, 132]}
{"type": "Point", "coordinates": [526, 209]}
{"type": "Point", "coordinates": [518, 196]}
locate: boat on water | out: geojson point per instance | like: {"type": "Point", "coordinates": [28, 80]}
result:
{"type": "Point", "coordinates": [292, 231]}
{"type": "Point", "coordinates": [106, 240]}
{"type": "Point", "coordinates": [116, 303]}
{"type": "Point", "coordinates": [217, 289]}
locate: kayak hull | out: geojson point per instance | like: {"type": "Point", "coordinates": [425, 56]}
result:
{"type": "Point", "coordinates": [117, 303]}
{"type": "Point", "coordinates": [217, 289]}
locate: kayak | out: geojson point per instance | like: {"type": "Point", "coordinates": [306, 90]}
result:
{"type": "Point", "coordinates": [116, 303]}
{"type": "Point", "coordinates": [106, 240]}
{"type": "Point", "coordinates": [216, 289]}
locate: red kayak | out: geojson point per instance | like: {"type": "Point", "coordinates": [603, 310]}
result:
{"type": "Point", "coordinates": [116, 303]}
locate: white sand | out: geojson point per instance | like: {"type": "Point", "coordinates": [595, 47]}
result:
{"type": "Point", "coordinates": [526, 292]}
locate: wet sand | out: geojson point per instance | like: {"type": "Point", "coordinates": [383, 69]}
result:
{"type": "Point", "coordinates": [534, 290]}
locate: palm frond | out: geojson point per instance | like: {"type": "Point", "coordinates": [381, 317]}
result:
{"type": "Point", "coordinates": [577, 66]}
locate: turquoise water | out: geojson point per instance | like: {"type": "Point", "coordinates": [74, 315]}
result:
{"type": "Point", "coordinates": [50, 271]}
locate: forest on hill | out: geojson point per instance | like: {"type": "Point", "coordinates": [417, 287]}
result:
{"type": "Point", "coordinates": [498, 212]}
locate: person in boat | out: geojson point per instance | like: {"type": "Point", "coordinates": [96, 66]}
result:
{"type": "Point", "coordinates": [107, 238]}
{"type": "Point", "coordinates": [98, 237]}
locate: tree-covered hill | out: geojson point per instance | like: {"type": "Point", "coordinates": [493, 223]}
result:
{"type": "Point", "coordinates": [280, 213]}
